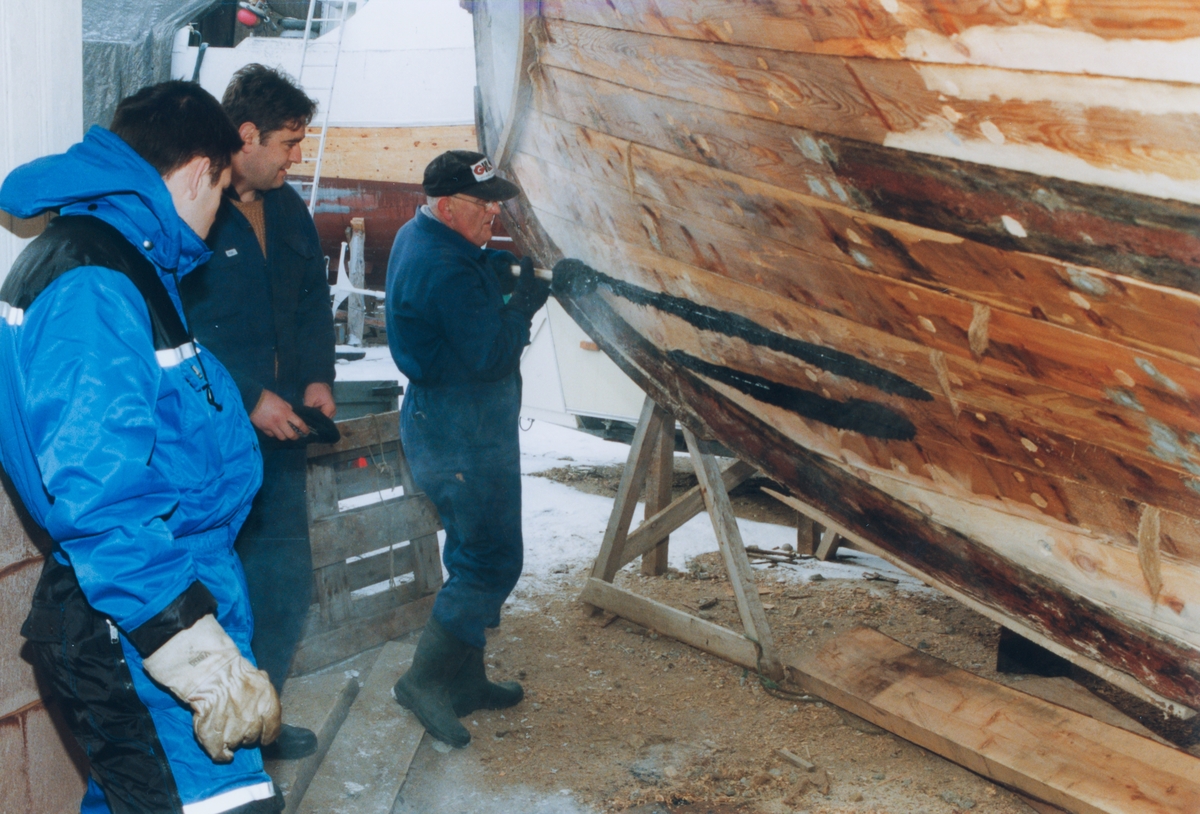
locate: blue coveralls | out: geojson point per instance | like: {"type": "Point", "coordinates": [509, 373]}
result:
{"type": "Point", "coordinates": [140, 482]}
{"type": "Point", "coordinates": [267, 319]}
{"type": "Point", "coordinates": [460, 347]}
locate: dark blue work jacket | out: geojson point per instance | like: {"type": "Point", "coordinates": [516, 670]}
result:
{"type": "Point", "coordinates": [267, 319]}
{"type": "Point", "coordinates": [447, 321]}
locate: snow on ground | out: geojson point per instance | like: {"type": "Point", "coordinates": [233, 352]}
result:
{"type": "Point", "coordinates": [563, 527]}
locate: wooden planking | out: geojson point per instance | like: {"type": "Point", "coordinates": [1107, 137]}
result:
{"type": "Point", "coordinates": [943, 555]}
{"type": "Point", "coordinates": [370, 430]}
{"type": "Point", "coordinates": [815, 92]}
{"type": "Point", "coordinates": [375, 569]}
{"type": "Point", "coordinates": [1003, 466]}
{"type": "Point", "coordinates": [837, 264]}
{"type": "Point", "coordinates": [319, 703]}
{"type": "Point", "coordinates": [669, 621]}
{"type": "Point", "coordinates": [669, 233]}
{"type": "Point", "coordinates": [841, 278]}
{"type": "Point", "coordinates": [963, 464]}
{"type": "Point", "coordinates": [395, 155]}
{"type": "Point", "coordinates": [324, 647]}
{"type": "Point", "coordinates": [368, 761]}
{"type": "Point", "coordinates": [984, 387]}
{"type": "Point", "coordinates": [357, 531]}
{"type": "Point", "coordinates": [868, 28]}
{"type": "Point", "coordinates": [1145, 238]}
{"type": "Point", "coordinates": [1079, 562]}
{"type": "Point", "coordinates": [993, 611]}
{"type": "Point", "coordinates": [1083, 300]}
{"type": "Point", "coordinates": [1052, 753]}
{"type": "Point", "coordinates": [1066, 693]}
{"type": "Point", "coordinates": [1115, 131]}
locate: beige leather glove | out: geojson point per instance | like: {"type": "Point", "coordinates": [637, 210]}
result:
{"type": "Point", "coordinates": [233, 702]}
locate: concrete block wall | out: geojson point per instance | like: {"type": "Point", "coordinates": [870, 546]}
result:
{"type": "Point", "coordinates": [41, 768]}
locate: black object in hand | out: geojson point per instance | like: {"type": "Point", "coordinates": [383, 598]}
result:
{"type": "Point", "coordinates": [530, 293]}
{"type": "Point", "coordinates": [501, 264]}
{"type": "Point", "coordinates": [322, 429]}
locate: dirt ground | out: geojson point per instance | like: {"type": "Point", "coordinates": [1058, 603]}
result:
{"type": "Point", "coordinates": [617, 717]}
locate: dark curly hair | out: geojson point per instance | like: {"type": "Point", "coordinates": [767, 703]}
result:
{"type": "Point", "coordinates": [268, 98]}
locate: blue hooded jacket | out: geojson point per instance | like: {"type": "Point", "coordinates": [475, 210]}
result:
{"type": "Point", "coordinates": [118, 455]}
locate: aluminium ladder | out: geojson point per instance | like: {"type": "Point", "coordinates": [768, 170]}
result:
{"type": "Point", "coordinates": [322, 91]}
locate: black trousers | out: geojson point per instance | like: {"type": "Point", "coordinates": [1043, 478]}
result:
{"type": "Point", "coordinates": [274, 549]}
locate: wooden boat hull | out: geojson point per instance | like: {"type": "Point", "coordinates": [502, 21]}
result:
{"type": "Point", "coordinates": [952, 307]}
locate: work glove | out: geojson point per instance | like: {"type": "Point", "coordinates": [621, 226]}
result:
{"type": "Point", "coordinates": [233, 703]}
{"type": "Point", "coordinates": [530, 293]}
{"type": "Point", "coordinates": [501, 264]}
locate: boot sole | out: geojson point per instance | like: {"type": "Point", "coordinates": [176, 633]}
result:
{"type": "Point", "coordinates": [405, 701]}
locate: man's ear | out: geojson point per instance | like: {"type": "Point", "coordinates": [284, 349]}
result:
{"type": "Point", "coordinates": [250, 135]}
{"type": "Point", "coordinates": [188, 181]}
{"type": "Point", "coordinates": [197, 175]}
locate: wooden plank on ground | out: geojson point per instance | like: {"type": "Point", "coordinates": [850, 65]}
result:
{"type": "Point", "coordinates": [688, 629]}
{"type": "Point", "coordinates": [1054, 754]}
{"type": "Point", "coordinates": [320, 703]}
{"type": "Point", "coordinates": [1066, 693]}
{"type": "Point", "coordinates": [322, 645]}
{"type": "Point", "coordinates": [369, 759]}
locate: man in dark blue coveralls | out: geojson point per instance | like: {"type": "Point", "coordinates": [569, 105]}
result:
{"type": "Point", "coordinates": [459, 343]}
{"type": "Point", "coordinates": [261, 305]}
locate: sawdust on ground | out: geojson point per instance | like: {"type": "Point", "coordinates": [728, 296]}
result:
{"type": "Point", "coordinates": [617, 717]}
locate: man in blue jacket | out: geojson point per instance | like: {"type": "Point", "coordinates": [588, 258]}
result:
{"type": "Point", "coordinates": [459, 343]}
{"type": "Point", "coordinates": [261, 305]}
{"type": "Point", "coordinates": [127, 443]}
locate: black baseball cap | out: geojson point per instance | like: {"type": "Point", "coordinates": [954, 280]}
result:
{"type": "Point", "coordinates": [458, 171]}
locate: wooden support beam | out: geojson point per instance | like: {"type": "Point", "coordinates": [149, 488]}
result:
{"type": "Point", "coordinates": [658, 496]}
{"type": "Point", "coordinates": [1047, 751]}
{"type": "Point", "coordinates": [630, 488]}
{"type": "Point", "coordinates": [733, 550]}
{"type": "Point", "coordinates": [683, 509]}
{"type": "Point", "coordinates": [828, 547]}
{"type": "Point", "coordinates": [677, 624]}
{"type": "Point", "coordinates": [357, 270]}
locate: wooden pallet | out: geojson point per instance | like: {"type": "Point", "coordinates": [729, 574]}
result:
{"type": "Point", "coordinates": [376, 567]}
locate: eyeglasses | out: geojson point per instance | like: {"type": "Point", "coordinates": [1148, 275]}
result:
{"type": "Point", "coordinates": [480, 203]}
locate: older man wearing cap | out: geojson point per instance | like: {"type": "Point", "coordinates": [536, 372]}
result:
{"type": "Point", "coordinates": [459, 343]}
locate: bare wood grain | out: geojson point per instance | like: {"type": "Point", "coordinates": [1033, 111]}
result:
{"type": "Point", "coordinates": [1052, 753]}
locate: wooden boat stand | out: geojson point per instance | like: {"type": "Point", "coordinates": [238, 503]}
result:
{"type": "Point", "coordinates": [650, 468]}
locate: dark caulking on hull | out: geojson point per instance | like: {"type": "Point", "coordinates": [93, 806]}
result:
{"type": "Point", "coordinates": [857, 415]}
{"type": "Point", "coordinates": [575, 278]}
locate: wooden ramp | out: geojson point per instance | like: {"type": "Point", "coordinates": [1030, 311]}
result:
{"type": "Point", "coordinates": [367, 741]}
{"type": "Point", "coordinates": [1042, 749]}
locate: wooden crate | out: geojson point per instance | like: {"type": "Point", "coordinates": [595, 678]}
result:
{"type": "Point", "coordinates": [376, 568]}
